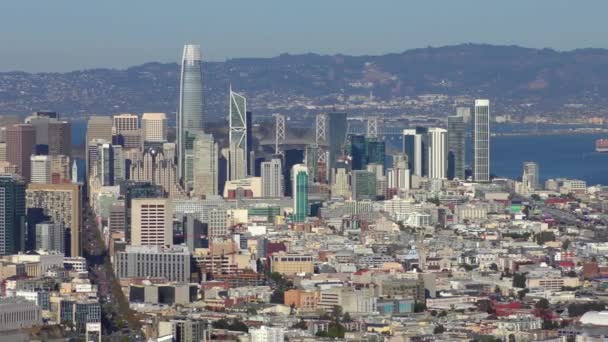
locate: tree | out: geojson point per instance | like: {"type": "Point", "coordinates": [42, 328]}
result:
{"type": "Point", "coordinates": [300, 325]}
{"type": "Point", "coordinates": [543, 237]}
{"type": "Point", "coordinates": [497, 290]}
{"type": "Point", "coordinates": [519, 280]}
{"type": "Point", "coordinates": [566, 244]}
{"type": "Point", "coordinates": [335, 330]}
{"type": "Point", "coordinates": [439, 329]}
{"type": "Point", "coordinates": [346, 317]}
{"type": "Point", "coordinates": [443, 313]}
{"type": "Point", "coordinates": [542, 304]}
{"type": "Point", "coordinates": [572, 274]}
{"type": "Point", "coordinates": [277, 296]}
{"type": "Point", "coordinates": [336, 312]}
{"type": "Point", "coordinates": [494, 267]}
{"type": "Point", "coordinates": [419, 307]}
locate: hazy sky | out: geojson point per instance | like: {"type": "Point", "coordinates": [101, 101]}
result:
{"type": "Point", "coordinates": [59, 35]}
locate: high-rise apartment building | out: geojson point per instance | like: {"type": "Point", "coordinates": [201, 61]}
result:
{"type": "Point", "coordinates": [299, 179]}
{"type": "Point", "coordinates": [272, 178]}
{"type": "Point", "coordinates": [239, 154]}
{"type": "Point", "coordinates": [456, 147]}
{"type": "Point", "coordinates": [190, 117]}
{"type": "Point", "coordinates": [12, 214]}
{"type": "Point", "coordinates": [437, 153]}
{"type": "Point", "coordinates": [336, 126]}
{"type": "Point", "coordinates": [124, 123]}
{"type": "Point", "coordinates": [206, 158]}
{"type": "Point", "coordinates": [151, 222]}
{"type": "Point", "coordinates": [481, 141]}
{"type": "Point", "coordinates": [154, 127]}
{"type": "Point", "coordinates": [41, 169]}
{"type": "Point", "coordinates": [20, 142]}
{"type": "Point", "coordinates": [530, 176]}
{"type": "Point", "coordinates": [99, 128]}
{"type": "Point", "coordinates": [62, 203]}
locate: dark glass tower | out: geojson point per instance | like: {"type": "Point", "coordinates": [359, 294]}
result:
{"type": "Point", "coordinates": [456, 147]}
{"type": "Point", "coordinates": [336, 126]}
{"type": "Point", "coordinates": [12, 218]}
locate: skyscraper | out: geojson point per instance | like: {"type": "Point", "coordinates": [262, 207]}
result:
{"type": "Point", "coordinates": [124, 123]}
{"type": "Point", "coordinates": [413, 148]}
{"type": "Point", "coordinates": [12, 214]}
{"type": "Point", "coordinates": [437, 153]}
{"type": "Point", "coordinates": [134, 190]}
{"type": "Point", "coordinates": [206, 158]}
{"type": "Point", "coordinates": [50, 236]}
{"type": "Point", "coordinates": [299, 179]}
{"type": "Point", "coordinates": [530, 176]}
{"type": "Point", "coordinates": [481, 141]}
{"type": "Point", "coordinates": [311, 159]}
{"type": "Point", "coordinates": [272, 178]}
{"type": "Point", "coordinates": [20, 141]}
{"type": "Point", "coordinates": [98, 128]}
{"type": "Point", "coordinates": [363, 185]}
{"type": "Point", "coordinates": [154, 127]}
{"type": "Point", "coordinates": [239, 155]}
{"type": "Point", "coordinates": [456, 147]}
{"type": "Point", "coordinates": [336, 127]}
{"type": "Point", "coordinates": [151, 222]}
{"type": "Point", "coordinates": [190, 117]}
{"type": "Point", "coordinates": [41, 169]}
{"type": "Point", "coordinates": [52, 133]}
{"type": "Point", "coordinates": [105, 164]}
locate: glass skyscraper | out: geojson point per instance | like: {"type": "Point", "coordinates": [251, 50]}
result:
{"type": "Point", "coordinates": [456, 147]}
{"type": "Point", "coordinates": [299, 176]}
{"type": "Point", "coordinates": [12, 215]}
{"type": "Point", "coordinates": [481, 141]}
{"type": "Point", "coordinates": [336, 126]}
{"type": "Point", "coordinates": [190, 117]}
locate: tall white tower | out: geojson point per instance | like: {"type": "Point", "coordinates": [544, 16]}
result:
{"type": "Point", "coordinates": [238, 136]}
{"type": "Point", "coordinates": [437, 153]}
{"type": "Point", "coordinates": [481, 141]}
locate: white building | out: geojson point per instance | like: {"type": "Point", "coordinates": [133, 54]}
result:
{"type": "Point", "coordinates": [41, 169]}
{"type": "Point", "coordinates": [267, 334]}
{"type": "Point", "coordinates": [481, 141]}
{"type": "Point", "coordinates": [151, 222]}
{"type": "Point", "coordinates": [154, 127]}
{"type": "Point", "coordinates": [437, 153]}
{"type": "Point", "coordinates": [124, 122]}
{"type": "Point", "coordinates": [272, 178]}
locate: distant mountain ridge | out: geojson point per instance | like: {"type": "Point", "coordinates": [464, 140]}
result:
{"type": "Point", "coordinates": [545, 80]}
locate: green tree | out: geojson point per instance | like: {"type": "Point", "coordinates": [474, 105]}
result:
{"type": "Point", "coordinates": [300, 325]}
{"type": "Point", "coordinates": [566, 244]}
{"type": "Point", "coordinates": [443, 313]}
{"type": "Point", "coordinates": [543, 237]}
{"type": "Point", "coordinates": [494, 267]}
{"type": "Point", "coordinates": [439, 329]}
{"type": "Point", "coordinates": [419, 307]}
{"type": "Point", "coordinates": [519, 280]}
{"type": "Point", "coordinates": [542, 304]}
{"type": "Point", "coordinates": [346, 317]}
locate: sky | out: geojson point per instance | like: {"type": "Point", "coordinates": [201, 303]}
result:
{"type": "Point", "coordinates": [63, 35]}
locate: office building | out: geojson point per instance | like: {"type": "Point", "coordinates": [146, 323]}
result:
{"type": "Point", "coordinates": [12, 215]}
{"type": "Point", "coordinates": [60, 169]}
{"type": "Point", "coordinates": [363, 185]}
{"type": "Point", "coordinates": [299, 179]}
{"type": "Point", "coordinates": [205, 168]}
{"type": "Point", "coordinates": [156, 168]}
{"type": "Point", "coordinates": [151, 222]}
{"type": "Point", "coordinates": [170, 263]}
{"type": "Point", "coordinates": [311, 159]}
{"type": "Point", "coordinates": [50, 236]}
{"type": "Point", "coordinates": [62, 203]}
{"type": "Point", "coordinates": [20, 142]}
{"type": "Point", "coordinates": [135, 189]}
{"type": "Point", "coordinates": [239, 154]}
{"type": "Point", "coordinates": [336, 127]}
{"type": "Point", "coordinates": [218, 223]}
{"type": "Point", "coordinates": [154, 127]}
{"type": "Point", "coordinates": [530, 176]}
{"type": "Point", "coordinates": [190, 117]}
{"type": "Point", "coordinates": [53, 134]}
{"type": "Point", "coordinates": [464, 113]}
{"type": "Point", "coordinates": [186, 330]}
{"type": "Point", "coordinates": [19, 313]}
{"type": "Point", "coordinates": [481, 141]}
{"type": "Point", "coordinates": [41, 169]}
{"type": "Point", "coordinates": [357, 152]}
{"type": "Point", "coordinates": [99, 128]}
{"type": "Point", "coordinates": [272, 178]}
{"type": "Point", "coordinates": [291, 263]}
{"type": "Point", "coordinates": [456, 147]}
{"type": "Point", "coordinates": [414, 147]}
{"type": "Point", "coordinates": [291, 157]}
{"type": "Point", "coordinates": [124, 122]}
{"type": "Point", "coordinates": [340, 185]}
{"type": "Point", "coordinates": [437, 153]}
{"type": "Point", "coordinates": [105, 164]}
